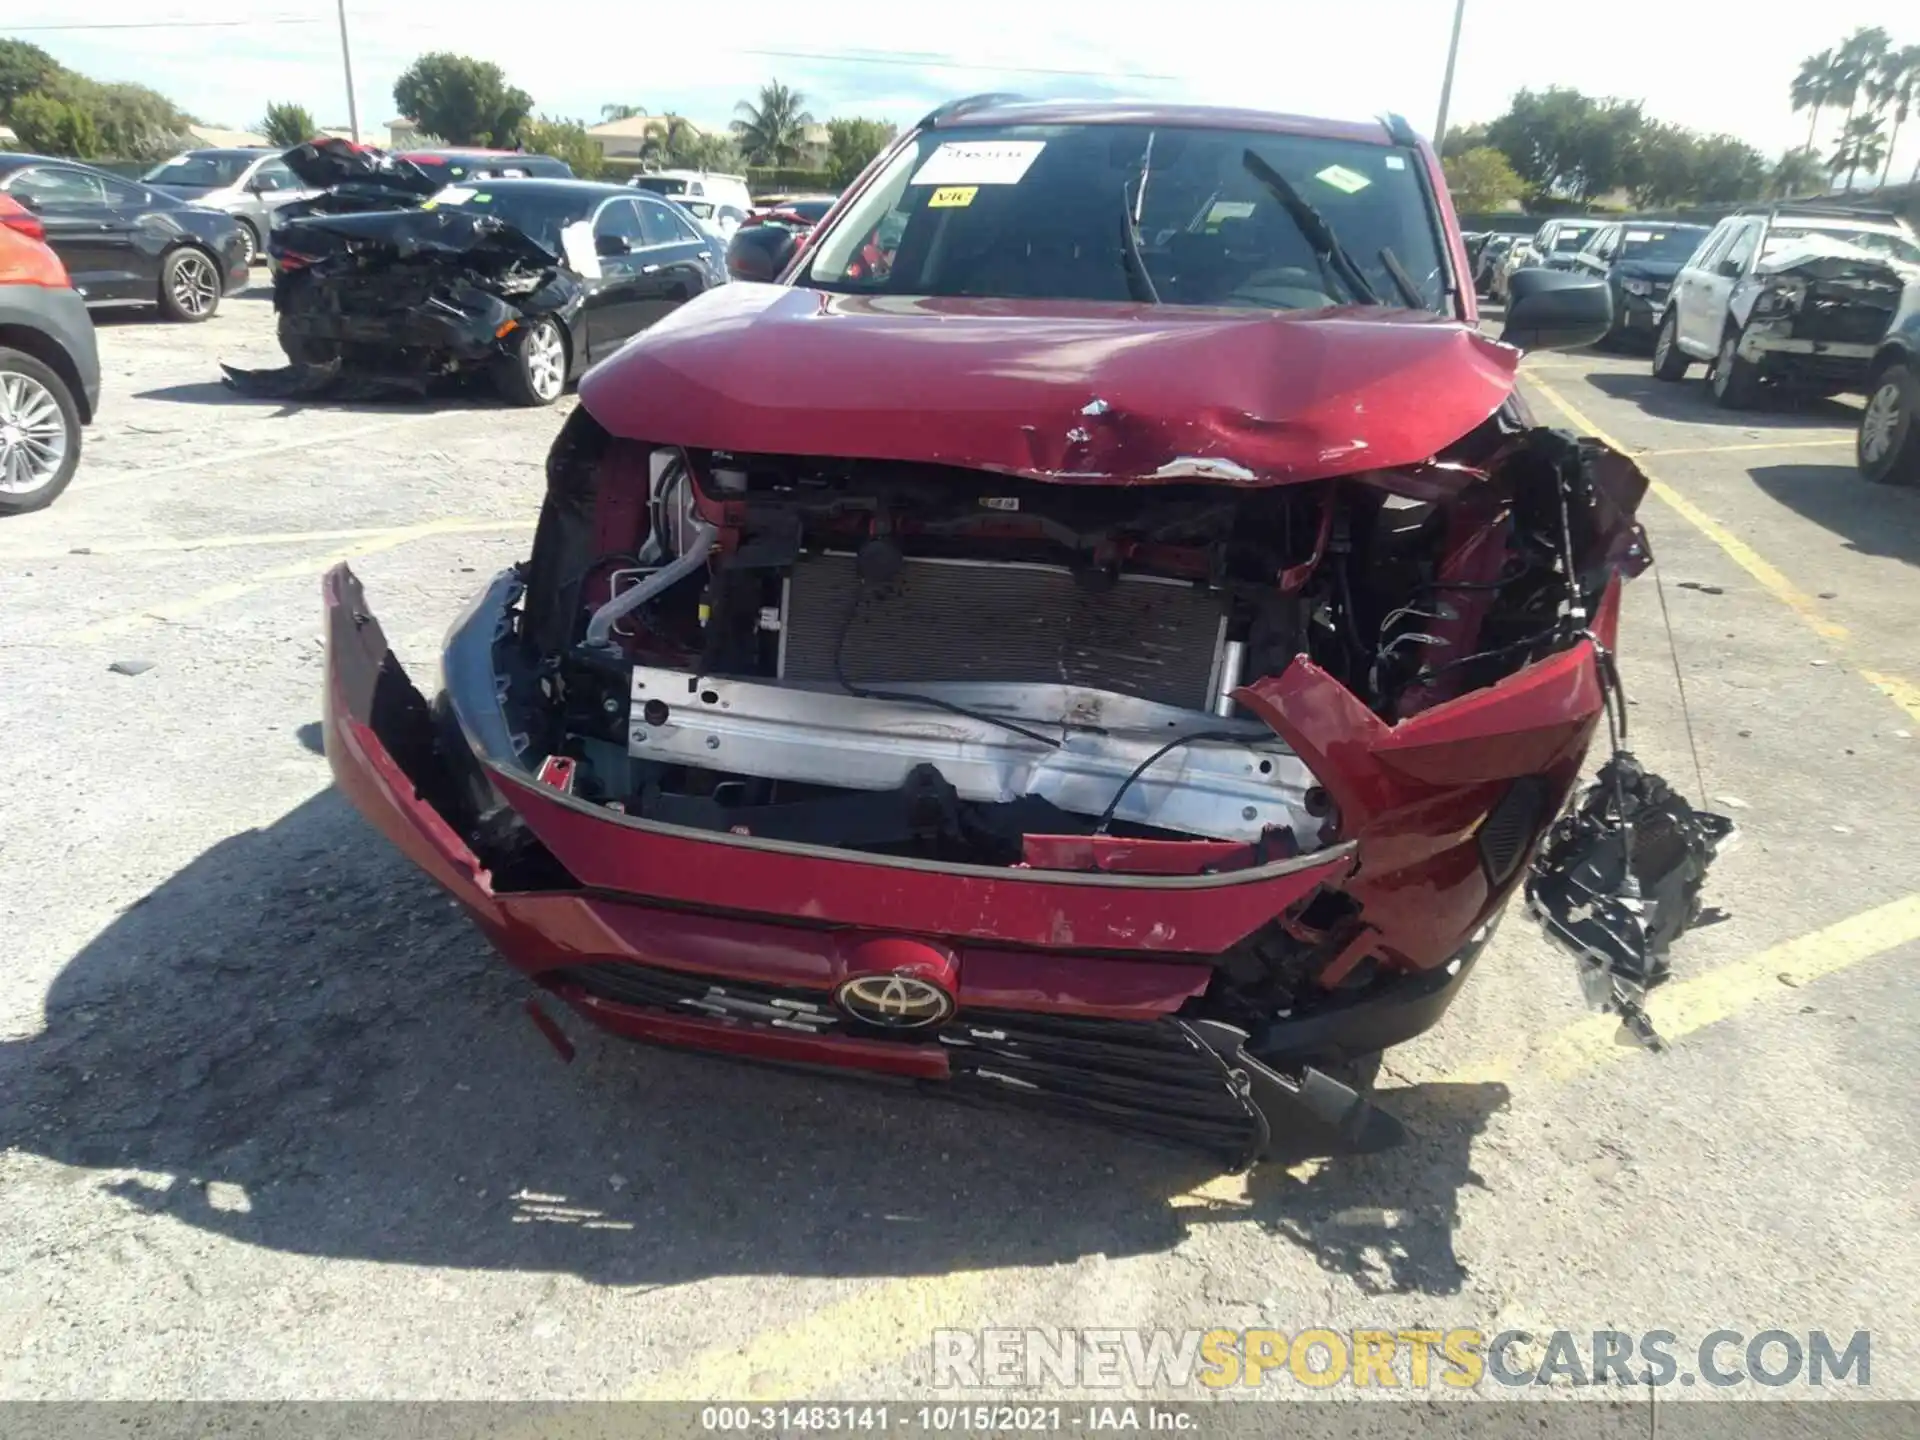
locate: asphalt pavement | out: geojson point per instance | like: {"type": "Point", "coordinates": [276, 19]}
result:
{"type": "Point", "coordinates": [273, 1125]}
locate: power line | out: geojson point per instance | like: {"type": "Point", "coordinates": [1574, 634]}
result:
{"type": "Point", "coordinates": [172, 24]}
{"type": "Point", "coordinates": [934, 62]}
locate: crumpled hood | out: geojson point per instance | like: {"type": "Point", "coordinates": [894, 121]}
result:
{"type": "Point", "coordinates": [1828, 257]}
{"type": "Point", "coordinates": [409, 234]}
{"type": "Point", "coordinates": [1053, 390]}
{"type": "Point", "coordinates": [326, 162]}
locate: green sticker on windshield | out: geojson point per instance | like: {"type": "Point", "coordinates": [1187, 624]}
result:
{"type": "Point", "coordinates": [481, 199]}
{"type": "Point", "coordinates": [1342, 179]}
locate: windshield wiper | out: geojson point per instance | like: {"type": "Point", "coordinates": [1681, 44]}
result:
{"type": "Point", "coordinates": [1139, 282]}
{"type": "Point", "coordinates": [1402, 281]}
{"type": "Point", "coordinates": [1312, 224]}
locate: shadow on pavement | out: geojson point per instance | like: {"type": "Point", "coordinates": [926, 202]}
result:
{"type": "Point", "coordinates": [216, 392]}
{"type": "Point", "coordinates": [300, 1015]}
{"type": "Point", "coordinates": [1872, 519]}
{"type": "Point", "coordinates": [1689, 400]}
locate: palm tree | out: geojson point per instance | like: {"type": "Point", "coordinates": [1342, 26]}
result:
{"type": "Point", "coordinates": [1813, 87]}
{"type": "Point", "coordinates": [1895, 85]}
{"type": "Point", "coordinates": [772, 132]}
{"type": "Point", "coordinates": [668, 142]}
{"type": "Point", "coordinates": [1858, 58]}
{"type": "Point", "coordinates": [621, 112]}
{"type": "Point", "coordinates": [1863, 146]}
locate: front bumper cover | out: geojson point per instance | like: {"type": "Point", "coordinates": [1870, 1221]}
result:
{"type": "Point", "coordinates": [1062, 1006]}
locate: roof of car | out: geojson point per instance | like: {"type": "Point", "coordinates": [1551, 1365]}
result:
{"type": "Point", "coordinates": [243, 152]}
{"type": "Point", "coordinates": [998, 111]}
{"type": "Point", "coordinates": [549, 185]}
{"type": "Point", "coordinates": [11, 160]}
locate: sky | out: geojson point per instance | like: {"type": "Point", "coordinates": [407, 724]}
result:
{"type": "Point", "coordinates": [1697, 64]}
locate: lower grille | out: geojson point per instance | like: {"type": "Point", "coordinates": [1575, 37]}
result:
{"type": "Point", "coordinates": [1018, 624]}
{"type": "Point", "coordinates": [1148, 1078]}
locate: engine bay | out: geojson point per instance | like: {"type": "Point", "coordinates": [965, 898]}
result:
{"type": "Point", "coordinates": [965, 667]}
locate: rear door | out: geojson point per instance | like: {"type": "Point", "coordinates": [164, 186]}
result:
{"type": "Point", "coordinates": [92, 241]}
{"type": "Point", "coordinates": [676, 266]}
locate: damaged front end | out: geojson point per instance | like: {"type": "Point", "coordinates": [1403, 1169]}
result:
{"type": "Point", "coordinates": [1127, 773]}
{"type": "Point", "coordinates": [1818, 310]}
{"type": "Point", "coordinates": [370, 302]}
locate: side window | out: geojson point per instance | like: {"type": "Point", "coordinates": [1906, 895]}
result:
{"type": "Point", "coordinates": [53, 186]}
{"type": "Point", "coordinates": [683, 228]}
{"type": "Point", "coordinates": [658, 224]}
{"type": "Point", "coordinates": [1713, 247]}
{"type": "Point", "coordinates": [123, 196]}
{"type": "Point", "coordinates": [1741, 251]}
{"type": "Point", "coordinates": [618, 217]}
{"type": "Point", "coordinates": [274, 175]}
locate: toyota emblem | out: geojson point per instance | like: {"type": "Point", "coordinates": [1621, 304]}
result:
{"type": "Point", "coordinates": [895, 1002]}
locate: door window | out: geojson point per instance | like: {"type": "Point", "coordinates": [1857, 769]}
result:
{"type": "Point", "coordinates": [274, 175]}
{"type": "Point", "coordinates": [53, 186]}
{"type": "Point", "coordinates": [1709, 254]}
{"type": "Point", "coordinates": [618, 217]}
{"type": "Point", "coordinates": [1741, 251]}
{"type": "Point", "coordinates": [123, 196]}
{"type": "Point", "coordinates": [658, 224]}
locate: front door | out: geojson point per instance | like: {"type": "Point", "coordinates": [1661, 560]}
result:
{"type": "Point", "coordinates": [615, 302]}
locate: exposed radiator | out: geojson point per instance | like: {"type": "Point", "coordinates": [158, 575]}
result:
{"type": "Point", "coordinates": [938, 620]}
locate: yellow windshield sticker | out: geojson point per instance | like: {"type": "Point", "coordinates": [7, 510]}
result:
{"type": "Point", "coordinates": [1343, 179]}
{"type": "Point", "coordinates": [952, 197]}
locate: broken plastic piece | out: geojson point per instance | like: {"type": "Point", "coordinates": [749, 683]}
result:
{"type": "Point", "coordinates": [1618, 880]}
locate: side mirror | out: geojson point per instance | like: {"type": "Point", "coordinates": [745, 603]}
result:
{"type": "Point", "coordinates": [1556, 310]}
{"type": "Point", "coordinates": [611, 245]}
{"type": "Point", "coordinates": [759, 252]}
{"type": "Point", "coordinates": [1730, 269]}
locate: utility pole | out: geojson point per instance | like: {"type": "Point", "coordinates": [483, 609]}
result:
{"type": "Point", "coordinates": [353, 106]}
{"type": "Point", "coordinates": [1446, 85]}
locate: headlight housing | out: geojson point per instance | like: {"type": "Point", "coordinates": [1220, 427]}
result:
{"type": "Point", "coordinates": [1635, 286]}
{"type": "Point", "coordinates": [1781, 297]}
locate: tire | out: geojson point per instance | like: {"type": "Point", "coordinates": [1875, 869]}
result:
{"type": "Point", "coordinates": [1735, 382]}
{"type": "Point", "coordinates": [189, 285]}
{"type": "Point", "coordinates": [1887, 448]}
{"type": "Point", "coordinates": [250, 237]}
{"type": "Point", "coordinates": [534, 372]}
{"type": "Point", "coordinates": [38, 409]}
{"type": "Point", "coordinates": [1669, 360]}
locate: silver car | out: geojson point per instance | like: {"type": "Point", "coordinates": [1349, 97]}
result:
{"type": "Point", "coordinates": [248, 184]}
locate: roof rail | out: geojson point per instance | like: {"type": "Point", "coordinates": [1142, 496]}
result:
{"type": "Point", "coordinates": [1398, 130]}
{"type": "Point", "coordinates": [956, 108]}
{"type": "Point", "coordinates": [1816, 207]}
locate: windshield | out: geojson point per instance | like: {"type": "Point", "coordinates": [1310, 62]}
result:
{"type": "Point", "coordinates": [540, 214]}
{"type": "Point", "coordinates": [662, 184]}
{"type": "Point", "coordinates": [1131, 212]}
{"type": "Point", "coordinates": [1880, 242]}
{"type": "Point", "coordinates": [1668, 242]}
{"type": "Point", "coordinates": [1571, 238]}
{"type": "Point", "coordinates": [206, 172]}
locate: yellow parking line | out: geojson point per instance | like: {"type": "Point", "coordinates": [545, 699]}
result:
{"type": "Point", "coordinates": [1903, 693]}
{"type": "Point", "coordinates": [1831, 441]}
{"type": "Point", "coordinates": [1683, 1007]}
{"type": "Point", "coordinates": [874, 1325]}
{"type": "Point", "coordinates": [173, 611]}
{"type": "Point", "coordinates": [891, 1318]}
{"type": "Point", "coordinates": [187, 545]}
{"type": "Point", "coordinates": [231, 458]}
{"type": "Point", "coordinates": [1737, 550]}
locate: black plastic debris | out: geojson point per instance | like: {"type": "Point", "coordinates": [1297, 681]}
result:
{"type": "Point", "coordinates": [1618, 880]}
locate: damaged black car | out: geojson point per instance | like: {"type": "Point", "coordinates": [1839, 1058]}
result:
{"type": "Point", "coordinates": [380, 287]}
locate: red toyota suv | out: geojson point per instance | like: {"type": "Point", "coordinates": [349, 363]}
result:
{"type": "Point", "coordinates": [1101, 631]}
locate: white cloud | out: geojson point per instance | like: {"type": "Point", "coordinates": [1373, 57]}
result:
{"type": "Point", "coordinates": [1699, 65]}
